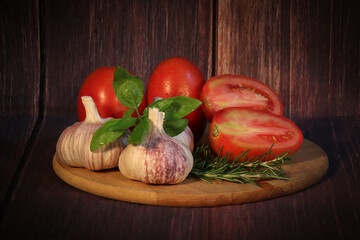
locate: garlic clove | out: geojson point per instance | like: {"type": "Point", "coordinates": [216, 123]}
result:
{"type": "Point", "coordinates": [159, 159]}
{"type": "Point", "coordinates": [73, 146]}
{"type": "Point", "coordinates": [186, 138]}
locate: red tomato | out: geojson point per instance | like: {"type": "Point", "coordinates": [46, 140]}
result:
{"type": "Point", "coordinates": [239, 129]}
{"type": "Point", "coordinates": [99, 85]}
{"type": "Point", "coordinates": [226, 91]}
{"type": "Point", "coordinates": [179, 77]}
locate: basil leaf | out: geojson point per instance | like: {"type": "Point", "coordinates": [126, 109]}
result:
{"type": "Point", "coordinates": [128, 113]}
{"type": "Point", "coordinates": [175, 127]}
{"type": "Point", "coordinates": [180, 107]}
{"type": "Point", "coordinates": [110, 131]}
{"type": "Point", "coordinates": [161, 104]}
{"type": "Point", "coordinates": [105, 137]}
{"type": "Point", "coordinates": [175, 107]}
{"type": "Point", "coordinates": [139, 132]}
{"type": "Point", "coordinates": [128, 88]}
{"type": "Point", "coordinates": [120, 123]}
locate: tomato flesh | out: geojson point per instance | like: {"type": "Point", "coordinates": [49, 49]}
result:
{"type": "Point", "coordinates": [226, 91]}
{"type": "Point", "coordinates": [235, 130]}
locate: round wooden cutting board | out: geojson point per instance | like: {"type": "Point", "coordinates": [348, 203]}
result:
{"type": "Point", "coordinates": [310, 165]}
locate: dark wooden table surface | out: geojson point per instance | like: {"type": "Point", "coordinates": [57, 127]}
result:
{"type": "Point", "coordinates": [308, 51]}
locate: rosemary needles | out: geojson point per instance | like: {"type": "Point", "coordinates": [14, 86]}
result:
{"type": "Point", "coordinates": [208, 166]}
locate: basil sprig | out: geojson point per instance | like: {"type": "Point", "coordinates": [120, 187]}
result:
{"type": "Point", "coordinates": [130, 92]}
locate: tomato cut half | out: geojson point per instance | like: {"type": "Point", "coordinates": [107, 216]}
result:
{"type": "Point", "coordinates": [225, 91]}
{"type": "Point", "coordinates": [235, 130]}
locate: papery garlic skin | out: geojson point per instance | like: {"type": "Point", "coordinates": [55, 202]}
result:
{"type": "Point", "coordinates": [157, 162]}
{"type": "Point", "coordinates": [73, 146]}
{"type": "Point", "coordinates": [159, 159]}
{"type": "Point", "coordinates": [186, 137]}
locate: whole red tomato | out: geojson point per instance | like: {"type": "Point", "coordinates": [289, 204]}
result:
{"type": "Point", "coordinates": [99, 85]}
{"type": "Point", "coordinates": [179, 77]}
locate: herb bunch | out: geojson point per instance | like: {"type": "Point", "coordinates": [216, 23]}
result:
{"type": "Point", "coordinates": [130, 92]}
{"type": "Point", "coordinates": [208, 166]}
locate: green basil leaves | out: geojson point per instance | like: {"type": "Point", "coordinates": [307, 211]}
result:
{"type": "Point", "coordinates": [128, 88]}
{"type": "Point", "coordinates": [130, 92]}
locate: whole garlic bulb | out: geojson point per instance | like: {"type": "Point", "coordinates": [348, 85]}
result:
{"type": "Point", "coordinates": [159, 159]}
{"type": "Point", "coordinates": [73, 146]}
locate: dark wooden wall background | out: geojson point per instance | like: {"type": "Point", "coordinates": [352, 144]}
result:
{"type": "Point", "coordinates": [307, 50]}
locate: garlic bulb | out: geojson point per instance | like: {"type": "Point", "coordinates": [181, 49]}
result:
{"type": "Point", "coordinates": [186, 137]}
{"type": "Point", "coordinates": [73, 146]}
{"type": "Point", "coordinates": [159, 159]}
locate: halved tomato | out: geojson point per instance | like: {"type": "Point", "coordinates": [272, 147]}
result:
{"type": "Point", "coordinates": [235, 130]}
{"type": "Point", "coordinates": [225, 91]}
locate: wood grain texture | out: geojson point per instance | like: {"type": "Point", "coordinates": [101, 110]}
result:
{"type": "Point", "coordinates": [79, 36]}
{"type": "Point", "coordinates": [307, 51]}
{"type": "Point", "coordinates": [344, 76]}
{"type": "Point", "coordinates": [340, 188]}
{"type": "Point", "coordinates": [252, 39]}
{"type": "Point", "coordinates": [20, 58]}
{"type": "Point", "coordinates": [15, 133]}
{"type": "Point", "coordinates": [19, 84]}
{"type": "Point", "coordinates": [309, 58]}
{"type": "Point", "coordinates": [84, 35]}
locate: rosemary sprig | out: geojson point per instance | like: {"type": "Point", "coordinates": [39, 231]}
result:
{"type": "Point", "coordinates": [208, 166]}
